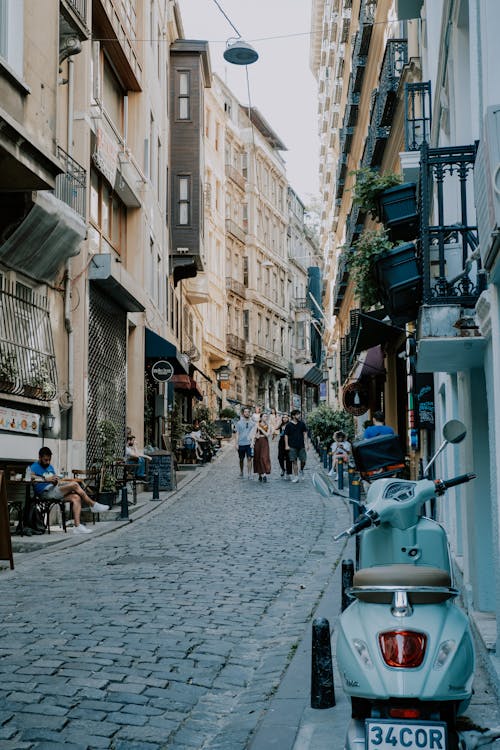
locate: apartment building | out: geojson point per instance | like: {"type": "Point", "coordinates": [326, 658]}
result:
{"type": "Point", "coordinates": [432, 118]}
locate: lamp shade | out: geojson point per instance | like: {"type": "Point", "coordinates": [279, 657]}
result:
{"type": "Point", "coordinates": [240, 53]}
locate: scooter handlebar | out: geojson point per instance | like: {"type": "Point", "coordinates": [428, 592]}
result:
{"type": "Point", "coordinates": [443, 484]}
{"type": "Point", "coordinates": [363, 522]}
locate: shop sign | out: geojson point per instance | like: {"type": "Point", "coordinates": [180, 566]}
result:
{"type": "Point", "coordinates": [19, 421]}
{"type": "Point", "coordinates": [296, 401]}
{"type": "Point", "coordinates": [162, 371]}
{"type": "Point", "coordinates": [224, 384]}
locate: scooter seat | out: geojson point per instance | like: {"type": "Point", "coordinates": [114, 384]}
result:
{"type": "Point", "coordinates": [402, 577]}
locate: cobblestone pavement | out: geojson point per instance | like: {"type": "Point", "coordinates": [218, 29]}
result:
{"type": "Point", "coordinates": [173, 631]}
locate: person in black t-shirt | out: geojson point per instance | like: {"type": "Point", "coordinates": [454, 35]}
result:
{"type": "Point", "coordinates": [296, 443]}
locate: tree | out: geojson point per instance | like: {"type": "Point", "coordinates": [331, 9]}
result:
{"type": "Point", "coordinates": [324, 421]}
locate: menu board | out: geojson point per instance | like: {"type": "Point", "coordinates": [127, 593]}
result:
{"type": "Point", "coordinates": [19, 421]}
{"type": "Point", "coordinates": [162, 462]}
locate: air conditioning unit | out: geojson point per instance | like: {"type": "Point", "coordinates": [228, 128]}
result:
{"type": "Point", "coordinates": [487, 188]}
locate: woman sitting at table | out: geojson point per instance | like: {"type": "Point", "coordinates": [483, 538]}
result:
{"type": "Point", "coordinates": [48, 486]}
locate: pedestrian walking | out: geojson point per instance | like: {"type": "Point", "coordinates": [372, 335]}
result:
{"type": "Point", "coordinates": [244, 433]}
{"type": "Point", "coordinates": [274, 423]}
{"type": "Point", "coordinates": [261, 457]}
{"type": "Point", "coordinates": [283, 454]}
{"type": "Point", "coordinates": [297, 444]}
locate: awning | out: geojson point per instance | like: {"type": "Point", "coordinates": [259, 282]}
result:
{"type": "Point", "coordinates": [193, 367]}
{"type": "Point", "coordinates": [369, 364]}
{"type": "Point", "coordinates": [50, 233]}
{"type": "Point", "coordinates": [186, 384]}
{"type": "Point", "coordinates": [308, 372]}
{"type": "Point", "coordinates": [159, 348]}
{"type": "Point", "coordinates": [371, 332]}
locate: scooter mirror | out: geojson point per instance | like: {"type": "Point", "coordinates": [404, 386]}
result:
{"type": "Point", "coordinates": [454, 431]}
{"type": "Point", "coordinates": [322, 485]}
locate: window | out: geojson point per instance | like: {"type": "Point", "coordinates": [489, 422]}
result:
{"type": "Point", "coordinates": [183, 83]}
{"type": "Point", "coordinates": [300, 335]}
{"type": "Point", "coordinates": [12, 33]}
{"type": "Point", "coordinates": [108, 215]}
{"type": "Point", "coordinates": [112, 95]}
{"type": "Point", "coordinates": [246, 325]}
{"type": "Point", "coordinates": [184, 202]}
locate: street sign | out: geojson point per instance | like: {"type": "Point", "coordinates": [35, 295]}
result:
{"type": "Point", "coordinates": [162, 371]}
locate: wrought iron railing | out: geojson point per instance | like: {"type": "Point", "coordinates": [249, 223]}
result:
{"type": "Point", "coordinates": [418, 114]}
{"type": "Point", "coordinates": [27, 360]}
{"type": "Point", "coordinates": [80, 8]}
{"type": "Point", "coordinates": [71, 187]}
{"type": "Point", "coordinates": [341, 280]}
{"type": "Point", "coordinates": [451, 263]}
{"type": "Point", "coordinates": [395, 58]}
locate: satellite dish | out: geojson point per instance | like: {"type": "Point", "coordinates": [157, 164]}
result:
{"type": "Point", "coordinates": [240, 53]}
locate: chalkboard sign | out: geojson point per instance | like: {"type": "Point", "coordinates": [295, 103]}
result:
{"type": "Point", "coordinates": [162, 462]}
{"type": "Point", "coordinates": [5, 541]}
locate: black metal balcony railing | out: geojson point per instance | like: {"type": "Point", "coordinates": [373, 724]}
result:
{"type": "Point", "coordinates": [395, 59]}
{"type": "Point", "coordinates": [27, 361]}
{"type": "Point", "coordinates": [358, 69]}
{"type": "Point", "coordinates": [80, 8]}
{"type": "Point", "coordinates": [355, 224]}
{"type": "Point", "coordinates": [451, 263]}
{"type": "Point", "coordinates": [71, 185]}
{"type": "Point", "coordinates": [376, 141]}
{"type": "Point", "coordinates": [418, 115]}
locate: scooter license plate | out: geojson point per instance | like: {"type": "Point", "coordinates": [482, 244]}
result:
{"type": "Point", "coordinates": [388, 734]}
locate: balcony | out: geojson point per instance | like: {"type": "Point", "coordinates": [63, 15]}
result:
{"type": "Point", "coordinates": [448, 338]}
{"type": "Point", "coordinates": [236, 176]}
{"type": "Point", "coordinates": [341, 281]}
{"type": "Point", "coordinates": [395, 59]}
{"type": "Point", "coordinates": [358, 69]}
{"type": "Point", "coordinates": [235, 231]}
{"type": "Point", "coordinates": [196, 289]}
{"type": "Point", "coordinates": [376, 141]}
{"type": "Point", "coordinates": [235, 345]}
{"type": "Point", "coordinates": [27, 361]}
{"type": "Point", "coordinates": [71, 185]}
{"type": "Point", "coordinates": [235, 286]}
{"type": "Point", "coordinates": [300, 303]}
{"type": "Point", "coordinates": [73, 20]}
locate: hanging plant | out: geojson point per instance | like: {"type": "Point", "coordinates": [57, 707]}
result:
{"type": "Point", "coordinates": [361, 264]}
{"type": "Point", "coordinates": [368, 187]}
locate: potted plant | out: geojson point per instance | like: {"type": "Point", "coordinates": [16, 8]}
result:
{"type": "Point", "coordinates": [370, 244]}
{"type": "Point", "coordinates": [399, 282]}
{"type": "Point", "coordinates": [8, 371]}
{"type": "Point", "coordinates": [390, 200]}
{"type": "Point", "coordinates": [106, 442]}
{"type": "Point", "coordinates": [40, 383]}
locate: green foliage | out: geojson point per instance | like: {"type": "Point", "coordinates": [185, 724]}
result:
{"type": "Point", "coordinates": [8, 366]}
{"type": "Point", "coordinates": [40, 377]}
{"type": "Point", "coordinates": [176, 428]}
{"type": "Point", "coordinates": [368, 186]}
{"type": "Point", "coordinates": [202, 413]}
{"type": "Point", "coordinates": [228, 413]}
{"type": "Point", "coordinates": [370, 244]}
{"type": "Point", "coordinates": [324, 421]}
{"type": "Point", "coordinates": [106, 442]}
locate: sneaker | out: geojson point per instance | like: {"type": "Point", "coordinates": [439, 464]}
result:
{"type": "Point", "coordinates": [264, 479]}
{"type": "Point", "coordinates": [332, 473]}
{"type": "Point", "coordinates": [99, 508]}
{"type": "Point", "coordinates": [81, 529]}
{"type": "Point", "coordinates": [295, 479]}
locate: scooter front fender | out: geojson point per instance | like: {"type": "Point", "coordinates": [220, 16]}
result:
{"type": "Point", "coordinates": [365, 674]}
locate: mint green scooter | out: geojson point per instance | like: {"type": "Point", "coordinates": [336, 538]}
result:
{"type": "Point", "coordinates": [404, 648]}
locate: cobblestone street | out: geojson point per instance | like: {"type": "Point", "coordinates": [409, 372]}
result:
{"type": "Point", "coordinates": [173, 631]}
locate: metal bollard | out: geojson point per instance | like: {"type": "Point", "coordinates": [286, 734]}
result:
{"type": "Point", "coordinates": [124, 505]}
{"type": "Point", "coordinates": [347, 578]}
{"type": "Point", "coordinates": [350, 477]}
{"type": "Point", "coordinates": [330, 461]}
{"type": "Point", "coordinates": [324, 456]}
{"type": "Point", "coordinates": [340, 473]}
{"type": "Point", "coordinates": [156, 485]}
{"type": "Point", "coordinates": [355, 494]}
{"type": "Point", "coordinates": [322, 688]}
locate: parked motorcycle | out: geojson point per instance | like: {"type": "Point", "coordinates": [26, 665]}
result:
{"type": "Point", "coordinates": [404, 648]}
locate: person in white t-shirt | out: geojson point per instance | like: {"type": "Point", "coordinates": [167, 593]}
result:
{"type": "Point", "coordinates": [340, 448]}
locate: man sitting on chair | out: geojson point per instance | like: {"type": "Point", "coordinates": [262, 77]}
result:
{"type": "Point", "coordinates": [48, 487]}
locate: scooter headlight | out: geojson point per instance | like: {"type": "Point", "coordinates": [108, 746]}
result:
{"type": "Point", "coordinates": [445, 651]}
{"type": "Point", "coordinates": [363, 653]}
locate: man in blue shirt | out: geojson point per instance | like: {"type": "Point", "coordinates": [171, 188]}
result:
{"type": "Point", "coordinates": [47, 487]}
{"type": "Point", "coordinates": [378, 427]}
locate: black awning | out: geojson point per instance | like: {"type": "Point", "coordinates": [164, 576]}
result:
{"type": "Point", "coordinates": [159, 348]}
{"type": "Point", "coordinates": [193, 367]}
{"type": "Point", "coordinates": [371, 332]}
{"type": "Point", "coordinates": [313, 376]}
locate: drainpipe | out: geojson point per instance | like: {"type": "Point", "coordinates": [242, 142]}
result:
{"type": "Point", "coordinates": [68, 324]}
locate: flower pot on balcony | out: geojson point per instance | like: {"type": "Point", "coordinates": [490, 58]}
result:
{"type": "Point", "coordinates": [397, 209]}
{"type": "Point", "coordinates": [6, 386]}
{"type": "Point", "coordinates": [400, 282]}
{"type": "Point", "coordinates": [32, 391]}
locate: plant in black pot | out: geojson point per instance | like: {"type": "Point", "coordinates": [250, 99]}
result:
{"type": "Point", "coordinates": [8, 371]}
{"type": "Point", "coordinates": [368, 247]}
{"type": "Point", "coordinates": [390, 200]}
{"type": "Point", "coordinates": [106, 442]}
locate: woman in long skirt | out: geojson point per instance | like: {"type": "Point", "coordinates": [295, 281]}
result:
{"type": "Point", "coordinates": [261, 457]}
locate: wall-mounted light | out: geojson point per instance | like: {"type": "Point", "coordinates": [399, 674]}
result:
{"type": "Point", "coordinates": [48, 422]}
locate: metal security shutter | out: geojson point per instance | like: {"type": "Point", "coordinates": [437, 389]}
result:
{"type": "Point", "coordinates": [107, 371]}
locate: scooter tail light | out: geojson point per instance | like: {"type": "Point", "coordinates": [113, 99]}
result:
{"type": "Point", "coordinates": [404, 713]}
{"type": "Point", "coordinates": [445, 651]}
{"type": "Point", "coordinates": [403, 649]}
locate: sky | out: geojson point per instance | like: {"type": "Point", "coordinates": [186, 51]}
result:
{"type": "Point", "coordinates": [282, 86]}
